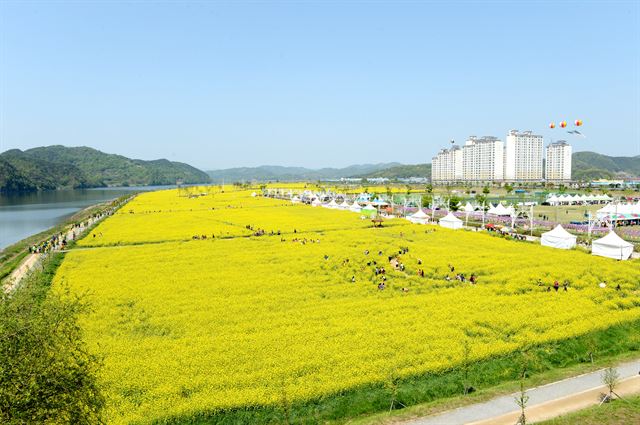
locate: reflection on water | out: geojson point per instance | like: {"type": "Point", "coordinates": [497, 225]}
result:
{"type": "Point", "coordinates": [25, 214]}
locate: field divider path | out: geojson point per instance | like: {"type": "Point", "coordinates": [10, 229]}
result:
{"type": "Point", "coordinates": [545, 402]}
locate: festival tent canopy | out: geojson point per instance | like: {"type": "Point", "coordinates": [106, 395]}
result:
{"type": "Point", "coordinates": [418, 217]}
{"type": "Point", "coordinates": [316, 202]}
{"type": "Point", "coordinates": [502, 210]}
{"type": "Point", "coordinates": [468, 208]}
{"type": "Point", "coordinates": [332, 204]}
{"type": "Point", "coordinates": [369, 210]}
{"type": "Point", "coordinates": [612, 246]}
{"type": "Point", "coordinates": [558, 238]}
{"type": "Point", "coordinates": [552, 199]}
{"type": "Point", "coordinates": [344, 205]}
{"type": "Point", "coordinates": [295, 200]}
{"type": "Point", "coordinates": [355, 207]}
{"type": "Point", "coordinates": [450, 221]}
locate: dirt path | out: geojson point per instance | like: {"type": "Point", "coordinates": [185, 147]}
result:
{"type": "Point", "coordinates": [32, 260]}
{"type": "Point", "coordinates": [16, 276]}
{"type": "Point", "coordinates": [545, 402]}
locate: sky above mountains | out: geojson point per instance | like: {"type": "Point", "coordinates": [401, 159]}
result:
{"type": "Point", "coordinates": [315, 84]}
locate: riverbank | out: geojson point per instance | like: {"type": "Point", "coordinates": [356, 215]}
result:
{"type": "Point", "coordinates": [17, 257]}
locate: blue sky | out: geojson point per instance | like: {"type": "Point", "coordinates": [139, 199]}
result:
{"type": "Point", "coordinates": [224, 84]}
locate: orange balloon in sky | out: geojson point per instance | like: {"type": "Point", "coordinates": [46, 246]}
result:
{"type": "Point", "coordinates": [552, 125]}
{"type": "Point", "coordinates": [563, 124]}
{"type": "Point", "coordinates": [578, 123]}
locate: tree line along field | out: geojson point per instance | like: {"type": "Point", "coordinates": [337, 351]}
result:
{"type": "Point", "coordinates": [202, 329]}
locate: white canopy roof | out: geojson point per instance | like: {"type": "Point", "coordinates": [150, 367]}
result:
{"type": "Point", "coordinates": [450, 221]}
{"type": "Point", "coordinates": [558, 238]}
{"type": "Point", "coordinates": [332, 204]}
{"type": "Point", "coordinates": [468, 207]}
{"type": "Point", "coordinates": [419, 214]}
{"type": "Point", "coordinates": [501, 210]}
{"type": "Point", "coordinates": [612, 246]}
{"type": "Point", "coordinates": [369, 207]}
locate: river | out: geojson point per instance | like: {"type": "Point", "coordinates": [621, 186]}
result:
{"type": "Point", "coordinates": [25, 214]}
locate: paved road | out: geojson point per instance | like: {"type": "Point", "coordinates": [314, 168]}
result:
{"type": "Point", "coordinates": [504, 405]}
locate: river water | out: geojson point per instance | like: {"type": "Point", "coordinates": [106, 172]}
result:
{"type": "Point", "coordinates": [25, 214]}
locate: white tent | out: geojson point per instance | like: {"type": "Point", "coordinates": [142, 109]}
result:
{"type": "Point", "coordinates": [355, 207]}
{"type": "Point", "coordinates": [612, 246]}
{"type": "Point", "coordinates": [450, 221]}
{"type": "Point", "coordinates": [316, 202]}
{"type": "Point", "coordinates": [558, 238]}
{"type": "Point", "coordinates": [344, 205]}
{"type": "Point", "coordinates": [295, 200]}
{"type": "Point", "coordinates": [253, 194]}
{"type": "Point", "coordinates": [369, 210]}
{"type": "Point", "coordinates": [468, 208]}
{"type": "Point", "coordinates": [333, 204]}
{"type": "Point", "coordinates": [418, 217]}
{"type": "Point", "coordinates": [552, 200]}
{"type": "Point", "coordinates": [502, 210]}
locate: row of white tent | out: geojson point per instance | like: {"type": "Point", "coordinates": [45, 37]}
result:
{"type": "Point", "coordinates": [355, 207]}
{"type": "Point", "coordinates": [618, 208]}
{"type": "Point", "coordinates": [449, 221]}
{"type": "Point", "coordinates": [577, 199]}
{"type": "Point", "coordinates": [610, 246]}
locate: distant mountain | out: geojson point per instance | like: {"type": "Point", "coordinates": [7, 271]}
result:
{"type": "Point", "coordinates": [274, 172]}
{"type": "Point", "coordinates": [56, 167]}
{"type": "Point", "coordinates": [591, 165]}
{"type": "Point", "coordinates": [402, 172]}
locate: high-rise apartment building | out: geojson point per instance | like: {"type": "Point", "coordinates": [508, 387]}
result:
{"type": "Point", "coordinates": [558, 165]}
{"type": "Point", "coordinates": [523, 156]}
{"type": "Point", "coordinates": [483, 159]}
{"type": "Point", "coordinates": [446, 166]}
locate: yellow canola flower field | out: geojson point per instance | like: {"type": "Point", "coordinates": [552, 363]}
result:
{"type": "Point", "coordinates": [205, 325]}
{"type": "Point", "coordinates": [164, 216]}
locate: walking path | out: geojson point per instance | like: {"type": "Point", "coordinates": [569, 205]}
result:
{"type": "Point", "coordinates": [32, 260]}
{"type": "Point", "coordinates": [545, 402]}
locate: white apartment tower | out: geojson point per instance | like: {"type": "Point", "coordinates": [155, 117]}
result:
{"type": "Point", "coordinates": [558, 165]}
{"type": "Point", "coordinates": [483, 159]}
{"type": "Point", "coordinates": [446, 166]}
{"type": "Point", "coordinates": [523, 156]}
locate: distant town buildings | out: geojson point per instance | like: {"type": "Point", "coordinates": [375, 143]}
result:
{"type": "Point", "coordinates": [558, 164]}
{"type": "Point", "coordinates": [488, 159]}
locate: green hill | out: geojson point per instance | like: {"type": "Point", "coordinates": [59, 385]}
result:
{"type": "Point", "coordinates": [591, 165]}
{"type": "Point", "coordinates": [402, 172]}
{"type": "Point", "coordinates": [279, 173]}
{"type": "Point", "coordinates": [57, 167]}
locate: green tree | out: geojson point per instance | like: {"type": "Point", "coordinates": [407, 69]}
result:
{"type": "Point", "coordinates": [486, 190]}
{"type": "Point", "coordinates": [47, 374]}
{"type": "Point", "coordinates": [429, 188]}
{"type": "Point", "coordinates": [508, 188]}
{"type": "Point", "coordinates": [453, 203]}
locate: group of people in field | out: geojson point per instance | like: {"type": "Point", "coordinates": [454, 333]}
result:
{"type": "Point", "coordinates": [395, 262]}
{"type": "Point", "coordinates": [59, 241]}
{"type": "Point", "coordinates": [261, 232]}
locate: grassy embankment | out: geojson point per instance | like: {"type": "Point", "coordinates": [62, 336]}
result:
{"type": "Point", "coordinates": [437, 392]}
{"type": "Point", "coordinates": [618, 412]}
